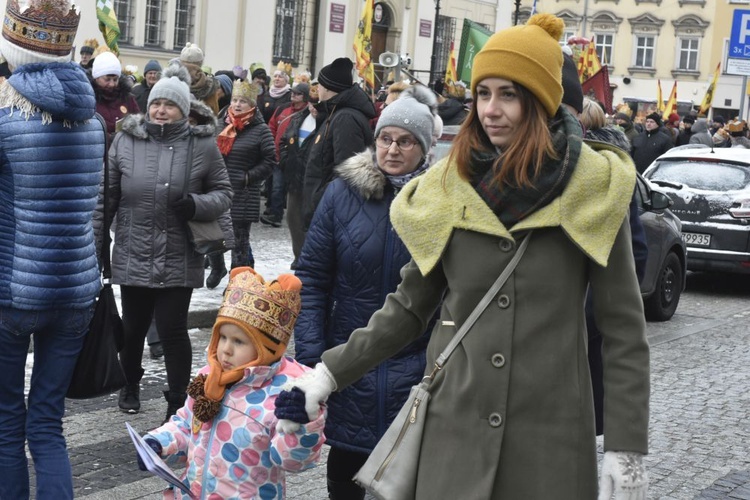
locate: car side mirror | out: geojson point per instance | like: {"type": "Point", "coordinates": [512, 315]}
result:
{"type": "Point", "coordinates": [660, 201]}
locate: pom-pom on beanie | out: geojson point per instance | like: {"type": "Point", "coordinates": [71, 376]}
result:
{"type": "Point", "coordinates": [337, 76]}
{"type": "Point", "coordinates": [173, 85]}
{"type": "Point", "coordinates": [414, 111]}
{"type": "Point", "coordinates": [529, 55]}
{"type": "Point", "coordinates": [106, 63]}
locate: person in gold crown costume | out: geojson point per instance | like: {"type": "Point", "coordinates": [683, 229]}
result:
{"type": "Point", "coordinates": [226, 434]}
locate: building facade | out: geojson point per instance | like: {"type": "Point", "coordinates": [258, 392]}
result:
{"type": "Point", "coordinates": [642, 41]}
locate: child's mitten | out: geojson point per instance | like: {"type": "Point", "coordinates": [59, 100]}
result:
{"type": "Point", "coordinates": [155, 445]}
{"type": "Point", "coordinates": [290, 405]}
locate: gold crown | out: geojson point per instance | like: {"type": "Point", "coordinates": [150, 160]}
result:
{"type": "Point", "coordinates": [266, 307]}
{"type": "Point", "coordinates": [245, 90]}
{"type": "Point", "coordinates": [47, 26]}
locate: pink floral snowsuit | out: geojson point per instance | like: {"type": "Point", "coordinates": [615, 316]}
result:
{"type": "Point", "coordinates": [239, 454]}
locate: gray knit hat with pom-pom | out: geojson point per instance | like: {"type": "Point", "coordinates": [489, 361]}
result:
{"type": "Point", "coordinates": [174, 85]}
{"type": "Point", "coordinates": [414, 111]}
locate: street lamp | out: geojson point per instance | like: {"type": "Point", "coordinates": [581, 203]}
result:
{"type": "Point", "coordinates": [433, 61]}
{"type": "Point", "coordinates": [518, 12]}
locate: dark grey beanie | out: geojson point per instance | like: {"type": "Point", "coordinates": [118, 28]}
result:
{"type": "Point", "coordinates": [414, 111]}
{"type": "Point", "coordinates": [174, 85]}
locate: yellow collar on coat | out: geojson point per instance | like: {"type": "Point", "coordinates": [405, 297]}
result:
{"type": "Point", "coordinates": [590, 210]}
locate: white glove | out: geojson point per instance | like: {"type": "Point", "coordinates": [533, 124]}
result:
{"type": "Point", "coordinates": [624, 476]}
{"type": "Point", "coordinates": [317, 386]}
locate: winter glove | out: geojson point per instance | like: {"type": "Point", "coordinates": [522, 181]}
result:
{"type": "Point", "coordinates": [290, 405]}
{"type": "Point", "coordinates": [624, 476]}
{"type": "Point", "coordinates": [184, 208]}
{"type": "Point", "coordinates": [155, 445]}
{"type": "Point", "coordinates": [316, 385]}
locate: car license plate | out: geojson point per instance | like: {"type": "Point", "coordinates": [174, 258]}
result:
{"type": "Point", "coordinates": [697, 239]}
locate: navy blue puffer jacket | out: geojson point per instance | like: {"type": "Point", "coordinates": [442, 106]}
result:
{"type": "Point", "coordinates": [51, 159]}
{"type": "Point", "coordinates": [349, 263]}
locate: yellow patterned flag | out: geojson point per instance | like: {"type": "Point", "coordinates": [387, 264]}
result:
{"type": "Point", "coordinates": [659, 97]}
{"type": "Point", "coordinates": [108, 25]}
{"type": "Point", "coordinates": [363, 45]}
{"type": "Point", "coordinates": [450, 71]}
{"type": "Point", "coordinates": [588, 63]}
{"type": "Point", "coordinates": [709, 97]}
{"type": "Point", "coordinates": [671, 106]}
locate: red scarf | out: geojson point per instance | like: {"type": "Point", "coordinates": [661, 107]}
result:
{"type": "Point", "coordinates": [235, 124]}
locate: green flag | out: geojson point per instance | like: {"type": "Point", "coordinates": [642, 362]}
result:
{"type": "Point", "coordinates": [108, 25]}
{"type": "Point", "coordinates": [473, 38]}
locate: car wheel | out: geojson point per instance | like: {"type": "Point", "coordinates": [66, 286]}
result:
{"type": "Point", "coordinates": [662, 304]}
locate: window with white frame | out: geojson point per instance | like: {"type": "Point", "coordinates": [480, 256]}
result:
{"type": "Point", "coordinates": [184, 22]}
{"type": "Point", "coordinates": [124, 20]}
{"type": "Point", "coordinates": [688, 57]}
{"type": "Point", "coordinates": [605, 47]}
{"type": "Point", "coordinates": [155, 21]}
{"type": "Point", "coordinates": [644, 51]}
{"type": "Point", "coordinates": [288, 36]}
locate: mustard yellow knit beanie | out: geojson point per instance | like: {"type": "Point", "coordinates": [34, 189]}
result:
{"type": "Point", "coordinates": [529, 55]}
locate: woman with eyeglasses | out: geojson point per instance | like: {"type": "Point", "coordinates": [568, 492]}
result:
{"type": "Point", "coordinates": [349, 263]}
{"type": "Point", "coordinates": [510, 414]}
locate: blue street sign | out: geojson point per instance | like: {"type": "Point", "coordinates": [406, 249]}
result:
{"type": "Point", "coordinates": [739, 43]}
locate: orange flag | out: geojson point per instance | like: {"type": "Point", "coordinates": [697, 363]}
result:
{"type": "Point", "coordinates": [671, 106]}
{"type": "Point", "coordinates": [709, 97]}
{"type": "Point", "coordinates": [659, 98]}
{"type": "Point", "coordinates": [588, 63]}
{"type": "Point", "coordinates": [450, 71]}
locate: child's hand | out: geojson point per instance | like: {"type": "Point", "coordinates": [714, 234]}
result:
{"type": "Point", "coordinates": [290, 405]}
{"type": "Point", "coordinates": [155, 445]}
{"type": "Point", "coordinates": [316, 386]}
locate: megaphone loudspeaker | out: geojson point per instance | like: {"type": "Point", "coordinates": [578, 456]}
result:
{"type": "Point", "coordinates": [388, 59]}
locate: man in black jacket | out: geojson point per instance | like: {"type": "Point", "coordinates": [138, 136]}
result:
{"type": "Point", "coordinates": [343, 129]}
{"type": "Point", "coordinates": [650, 144]}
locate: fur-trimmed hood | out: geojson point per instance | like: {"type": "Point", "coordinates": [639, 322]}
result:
{"type": "Point", "coordinates": [203, 122]}
{"type": "Point", "coordinates": [361, 173]}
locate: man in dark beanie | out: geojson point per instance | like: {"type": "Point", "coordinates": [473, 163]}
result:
{"type": "Point", "coordinates": [343, 129]}
{"type": "Point", "coordinates": [686, 132]}
{"type": "Point", "coordinates": [151, 75]}
{"type": "Point", "coordinates": [651, 143]}
{"type": "Point", "coordinates": [626, 124]}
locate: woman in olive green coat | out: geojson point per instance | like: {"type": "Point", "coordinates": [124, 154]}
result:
{"type": "Point", "coordinates": [511, 414]}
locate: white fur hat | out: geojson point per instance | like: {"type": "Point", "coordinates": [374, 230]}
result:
{"type": "Point", "coordinates": [106, 63]}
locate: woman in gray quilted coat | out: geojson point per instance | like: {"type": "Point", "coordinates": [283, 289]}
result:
{"type": "Point", "coordinates": [152, 260]}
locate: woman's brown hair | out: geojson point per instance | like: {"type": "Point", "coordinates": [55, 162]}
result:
{"type": "Point", "coordinates": [531, 147]}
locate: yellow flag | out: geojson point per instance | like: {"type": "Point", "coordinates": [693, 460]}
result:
{"type": "Point", "coordinates": [588, 63]}
{"type": "Point", "coordinates": [671, 106]}
{"type": "Point", "coordinates": [709, 97]}
{"type": "Point", "coordinates": [659, 97]}
{"type": "Point", "coordinates": [363, 45]}
{"type": "Point", "coordinates": [450, 71]}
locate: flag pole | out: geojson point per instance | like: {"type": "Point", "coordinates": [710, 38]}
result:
{"type": "Point", "coordinates": [433, 62]}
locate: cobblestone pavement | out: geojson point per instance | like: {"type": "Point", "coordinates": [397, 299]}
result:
{"type": "Point", "coordinates": [699, 436]}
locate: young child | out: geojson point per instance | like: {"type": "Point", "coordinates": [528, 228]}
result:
{"type": "Point", "coordinates": [226, 431]}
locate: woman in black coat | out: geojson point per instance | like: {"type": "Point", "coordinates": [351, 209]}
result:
{"type": "Point", "coordinates": [250, 156]}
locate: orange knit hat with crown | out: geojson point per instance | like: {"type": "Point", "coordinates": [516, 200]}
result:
{"type": "Point", "coordinates": [265, 311]}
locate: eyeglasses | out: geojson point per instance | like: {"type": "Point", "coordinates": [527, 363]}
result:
{"type": "Point", "coordinates": [404, 144]}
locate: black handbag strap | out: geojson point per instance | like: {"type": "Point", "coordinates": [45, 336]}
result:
{"type": "Point", "coordinates": [106, 238]}
{"type": "Point", "coordinates": [188, 167]}
{"type": "Point", "coordinates": [479, 309]}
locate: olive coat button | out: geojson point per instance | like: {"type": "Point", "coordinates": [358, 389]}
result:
{"type": "Point", "coordinates": [498, 360]}
{"type": "Point", "coordinates": [503, 301]}
{"type": "Point", "coordinates": [496, 420]}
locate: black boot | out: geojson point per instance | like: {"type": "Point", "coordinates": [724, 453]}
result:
{"type": "Point", "coordinates": [175, 401]}
{"type": "Point", "coordinates": [218, 271]}
{"type": "Point", "coordinates": [345, 490]}
{"type": "Point", "coordinates": [129, 400]}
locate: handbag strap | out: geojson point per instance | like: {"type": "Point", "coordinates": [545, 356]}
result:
{"type": "Point", "coordinates": [479, 309]}
{"type": "Point", "coordinates": [104, 256]}
{"type": "Point", "coordinates": [188, 166]}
